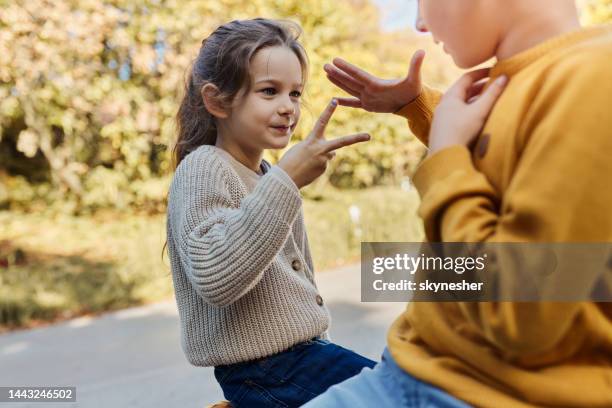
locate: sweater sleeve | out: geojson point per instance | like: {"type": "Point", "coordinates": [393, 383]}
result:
{"type": "Point", "coordinates": [228, 247]}
{"type": "Point", "coordinates": [560, 192]}
{"type": "Point", "coordinates": [420, 113]}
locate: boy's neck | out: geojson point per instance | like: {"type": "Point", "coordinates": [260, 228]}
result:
{"type": "Point", "coordinates": [249, 158]}
{"type": "Point", "coordinates": [530, 27]}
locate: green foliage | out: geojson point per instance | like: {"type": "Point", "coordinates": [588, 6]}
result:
{"type": "Point", "coordinates": [385, 215]}
{"type": "Point", "coordinates": [63, 266]}
{"type": "Point", "coordinates": [89, 90]}
{"type": "Point", "coordinates": [598, 11]}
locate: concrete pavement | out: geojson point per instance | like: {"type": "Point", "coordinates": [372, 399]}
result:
{"type": "Point", "coordinates": [132, 358]}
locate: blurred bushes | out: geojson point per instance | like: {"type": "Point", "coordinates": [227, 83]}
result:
{"type": "Point", "coordinates": [64, 266]}
{"type": "Point", "coordinates": [89, 89]}
{"type": "Point", "coordinates": [597, 11]}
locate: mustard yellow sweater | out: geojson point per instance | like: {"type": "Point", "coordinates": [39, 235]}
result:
{"type": "Point", "coordinates": [540, 171]}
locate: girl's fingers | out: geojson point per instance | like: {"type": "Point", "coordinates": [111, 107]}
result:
{"type": "Point", "coordinates": [319, 128]}
{"type": "Point", "coordinates": [351, 102]}
{"type": "Point", "coordinates": [489, 97]}
{"type": "Point", "coordinates": [343, 85]}
{"type": "Point", "coordinates": [331, 145]}
{"type": "Point", "coordinates": [475, 90]}
{"type": "Point", "coordinates": [355, 72]}
{"type": "Point", "coordinates": [330, 155]}
{"type": "Point", "coordinates": [460, 88]}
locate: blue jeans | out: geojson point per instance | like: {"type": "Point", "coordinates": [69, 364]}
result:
{"type": "Point", "coordinates": [387, 385]}
{"type": "Point", "coordinates": [290, 378]}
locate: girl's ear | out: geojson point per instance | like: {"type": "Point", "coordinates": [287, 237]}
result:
{"type": "Point", "coordinates": [212, 101]}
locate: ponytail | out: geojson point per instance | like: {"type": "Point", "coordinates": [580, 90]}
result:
{"type": "Point", "coordinates": [196, 126]}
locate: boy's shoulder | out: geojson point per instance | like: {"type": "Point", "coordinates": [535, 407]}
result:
{"type": "Point", "coordinates": [590, 58]}
{"type": "Point", "coordinates": [576, 72]}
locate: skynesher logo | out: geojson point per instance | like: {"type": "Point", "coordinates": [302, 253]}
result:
{"type": "Point", "coordinates": [405, 262]}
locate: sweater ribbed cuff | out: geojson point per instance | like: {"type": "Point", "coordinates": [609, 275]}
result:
{"type": "Point", "coordinates": [281, 194]}
{"type": "Point", "coordinates": [422, 106]}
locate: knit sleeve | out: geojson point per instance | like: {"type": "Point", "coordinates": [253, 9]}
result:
{"type": "Point", "coordinates": [420, 113]}
{"type": "Point", "coordinates": [560, 192]}
{"type": "Point", "coordinates": [227, 244]}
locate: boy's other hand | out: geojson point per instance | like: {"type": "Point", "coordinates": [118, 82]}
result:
{"type": "Point", "coordinates": [376, 94]}
{"type": "Point", "coordinates": [463, 110]}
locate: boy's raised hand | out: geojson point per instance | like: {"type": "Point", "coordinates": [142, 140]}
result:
{"type": "Point", "coordinates": [375, 94]}
{"type": "Point", "coordinates": [308, 159]}
{"type": "Point", "coordinates": [463, 110]}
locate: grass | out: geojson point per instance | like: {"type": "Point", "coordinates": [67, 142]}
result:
{"type": "Point", "coordinates": [54, 268]}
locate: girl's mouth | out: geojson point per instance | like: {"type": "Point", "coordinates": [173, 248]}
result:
{"type": "Point", "coordinates": [283, 130]}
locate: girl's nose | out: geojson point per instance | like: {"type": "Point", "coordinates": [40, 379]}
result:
{"type": "Point", "coordinates": [286, 108]}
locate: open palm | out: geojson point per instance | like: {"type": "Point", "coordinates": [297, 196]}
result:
{"type": "Point", "coordinates": [375, 94]}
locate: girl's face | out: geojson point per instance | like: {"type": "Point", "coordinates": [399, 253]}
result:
{"type": "Point", "coordinates": [468, 29]}
{"type": "Point", "coordinates": [265, 116]}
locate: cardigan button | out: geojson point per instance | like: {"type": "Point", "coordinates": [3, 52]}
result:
{"type": "Point", "coordinates": [296, 265]}
{"type": "Point", "coordinates": [483, 145]}
{"type": "Point", "coordinates": [319, 300]}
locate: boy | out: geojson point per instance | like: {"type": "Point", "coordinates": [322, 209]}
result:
{"type": "Point", "coordinates": [539, 171]}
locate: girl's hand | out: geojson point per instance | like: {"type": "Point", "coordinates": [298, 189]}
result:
{"type": "Point", "coordinates": [308, 159]}
{"type": "Point", "coordinates": [462, 112]}
{"type": "Point", "coordinates": [375, 94]}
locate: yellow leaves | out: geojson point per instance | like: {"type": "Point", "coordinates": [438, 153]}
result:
{"type": "Point", "coordinates": [9, 106]}
{"type": "Point", "coordinates": [597, 11]}
{"type": "Point", "coordinates": [147, 119]}
{"type": "Point", "coordinates": [86, 67]}
{"type": "Point", "coordinates": [27, 143]}
{"type": "Point", "coordinates": [143, 59]}
{"type": "Point", "coordinates": [17, 18]}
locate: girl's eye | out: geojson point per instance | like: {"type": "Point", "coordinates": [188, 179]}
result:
{"type": "Point", "coordinates": [296, 94]}
{"type": "Point", "coordinates": [269, 91]}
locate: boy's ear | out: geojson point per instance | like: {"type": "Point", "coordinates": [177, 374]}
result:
{"type": "Point", "coordinates": [212, 101]}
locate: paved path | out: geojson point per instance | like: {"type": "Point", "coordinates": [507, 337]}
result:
{"type": "Point", "coordinates": [133, 358]}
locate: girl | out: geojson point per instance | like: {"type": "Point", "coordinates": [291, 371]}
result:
{"type": "Point", "coordinates": [241, 266]}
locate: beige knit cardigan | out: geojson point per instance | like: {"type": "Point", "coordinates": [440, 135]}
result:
{"type": "Point", "coordinates": [241, 267]}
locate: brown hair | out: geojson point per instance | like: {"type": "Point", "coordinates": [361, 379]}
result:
{"type": "Point", "coordinates": [224, 60]}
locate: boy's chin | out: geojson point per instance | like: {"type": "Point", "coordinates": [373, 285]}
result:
{"type": "Point", "coordinates": [462, 63]}
{"type": "Point", "coordinates": [468, 62]}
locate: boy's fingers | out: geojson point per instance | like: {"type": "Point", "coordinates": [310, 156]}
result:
{"type": "Point", "coordinates": [342, 76]}
{"type": "Point", "coordinates": [331, 145]}
{"type": "Point", "coordinates": [460, 88]}
{"type": "Point", "coordinates": [354, 71]}
{"type": "Point", "coordinates": [489, 97]}
{"type": "Point", "coordinates": [352, 102]}
{"type": "Point", "coordinates": [414, 74]}
{"type": "Point", "coordinates": [319, 128]}
{"type": "Point", "coordinates": [343, 85]}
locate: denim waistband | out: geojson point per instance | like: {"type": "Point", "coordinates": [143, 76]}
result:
{"type": "Point", "coordinates": [255, 361]}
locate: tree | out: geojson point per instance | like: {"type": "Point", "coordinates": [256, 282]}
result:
{"type": "Point", "coordinates": [597, 11]}
{"type": "Point", "coordinates": [89, 89]}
